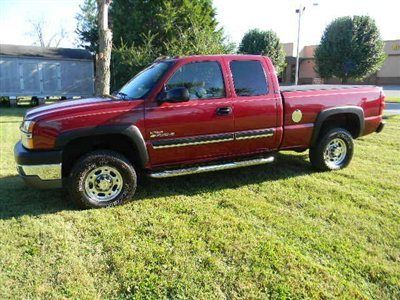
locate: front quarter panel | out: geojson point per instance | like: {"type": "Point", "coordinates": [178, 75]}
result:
{"type": "Point", "coordinates": [51, 126]}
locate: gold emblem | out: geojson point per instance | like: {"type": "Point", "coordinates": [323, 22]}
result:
{"type": "Point", "coordinates": [160, 133]}
{"type": "Point", "coordinates": [297, 115]}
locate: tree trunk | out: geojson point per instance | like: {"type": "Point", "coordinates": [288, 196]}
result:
{"type": "Point", "coordinates": [103, 58]}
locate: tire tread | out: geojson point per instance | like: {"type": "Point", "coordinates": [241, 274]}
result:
{"type": "Point", "coordinates": [316, 153]}
{"type": "Point", "coordinates": [83, 164]}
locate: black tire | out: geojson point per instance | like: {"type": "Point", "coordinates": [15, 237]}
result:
{"type": "Point", "coordinates": [79, 184]}
{"type": "Point", "coordinates": [326, 144]}
{"type": "Point", "coordinates": [34, 101]}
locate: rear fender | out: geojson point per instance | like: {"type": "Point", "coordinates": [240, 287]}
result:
{"type": "Point", "coordinates": [325, 114]}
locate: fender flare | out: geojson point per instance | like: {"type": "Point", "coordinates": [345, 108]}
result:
{"type": "Point", "coordinates": [131, 131]}
{"type": "Point", "coordinates": [323, 115]}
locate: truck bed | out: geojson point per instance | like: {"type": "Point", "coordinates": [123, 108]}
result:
{"type": "Point", "coordinates": [314, 87]}
{"type": "Point", "coordinates": [310, 100]}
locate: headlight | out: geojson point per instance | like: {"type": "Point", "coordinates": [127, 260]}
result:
{"type": "Point", "coordinates": [26, 133]}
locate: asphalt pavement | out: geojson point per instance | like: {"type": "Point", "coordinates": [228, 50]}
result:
{"type": "Point", "coordinates": [392, 90]}
{"type": "Point", "coordinates": [392, 108]}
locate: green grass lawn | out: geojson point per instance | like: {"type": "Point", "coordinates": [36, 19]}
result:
{"type": "Point", "coordinates": [392, 99]}
{"type": "Point", "coordinates": [277, 231]}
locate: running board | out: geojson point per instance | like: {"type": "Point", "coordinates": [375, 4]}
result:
{"type": "Point", "coordinates": [209, 168]}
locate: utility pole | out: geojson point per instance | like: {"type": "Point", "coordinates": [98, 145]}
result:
{"type": "Point", "coordinates": [299, 11]}
{"type": "Point", "coordinates": [103, 58]}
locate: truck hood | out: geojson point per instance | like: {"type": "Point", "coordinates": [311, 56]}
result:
{"type": "Point", "coordinates": [64, 107]}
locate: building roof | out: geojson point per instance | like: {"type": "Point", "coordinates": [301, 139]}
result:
{"type": "Point", "coordinates": [51, 53]}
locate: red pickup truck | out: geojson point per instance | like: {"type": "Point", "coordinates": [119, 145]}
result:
{"type": "Point", "coordinates": [187, 115]}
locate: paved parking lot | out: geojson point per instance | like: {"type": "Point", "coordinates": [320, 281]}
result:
{"type": "Point", "coordinates": [392, 108]}
{"type": "Point", "coordinates": [392, 90]}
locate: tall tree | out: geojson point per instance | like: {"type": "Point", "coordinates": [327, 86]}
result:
{"type": "Point", "coordinates": [167, 19]}
{"type": "Point", "coordinates": [103, 57]}
{"type": "Point", "coordinates": [265, 43]}
{"type": "Point", "coordinates": [351, 47]}
{"type": "Point", "coordinates": [144, 30]}
{"type": "Point", "coordinates": [87, 29]}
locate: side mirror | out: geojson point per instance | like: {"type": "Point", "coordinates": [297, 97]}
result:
{"type": "Point", "coordinates": [179, 94]}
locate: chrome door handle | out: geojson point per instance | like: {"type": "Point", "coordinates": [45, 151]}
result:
{"type": "Point", "coordinates": [224, 111]}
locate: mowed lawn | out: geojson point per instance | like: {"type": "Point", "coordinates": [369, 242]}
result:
{"type": "Point", "coordinates": [274, 231]}
{"type": "Point", "coordinates": [393, 99]}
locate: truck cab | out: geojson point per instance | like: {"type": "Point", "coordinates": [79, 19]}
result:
{"type": "Point", "coordinates": [202, 110]}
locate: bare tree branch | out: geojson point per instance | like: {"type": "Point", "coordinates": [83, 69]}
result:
{"type": "Point", "coordinates": [38, 33]}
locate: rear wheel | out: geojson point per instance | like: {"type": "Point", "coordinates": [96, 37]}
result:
{"type": "Point", "coordinates": [334, 150]}
{"type": "Point", "coordinates": [102, 178]}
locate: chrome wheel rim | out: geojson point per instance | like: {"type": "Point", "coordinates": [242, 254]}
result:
{"type": "Point", "coordinates": [103, 183]}
{"type": "Point", "coordinates": [335, 153]}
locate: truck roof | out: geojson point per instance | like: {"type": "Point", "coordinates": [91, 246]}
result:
{"type": "Point", "coordinates": [211, 56]}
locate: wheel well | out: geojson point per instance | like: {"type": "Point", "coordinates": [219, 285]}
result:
{"type": "Point", "coordinates": [80, 146]}
{"type": "Point", "coordinates": [347, 121]}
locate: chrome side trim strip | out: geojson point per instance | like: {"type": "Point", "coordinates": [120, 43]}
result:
{"type": "Point", "coordinates": [192, 143]}
{"type": "Point", "coordinates": [254, 136]}
{"type": "Point", "coordinates": [208, 168]}
{"type": "Point", "coordinates": [218, 138]}
{"type": "Point", "coordinates": [44, 172]}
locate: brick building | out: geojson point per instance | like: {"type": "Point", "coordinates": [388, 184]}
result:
{"type": "Point", "coordinates": [389, 74]}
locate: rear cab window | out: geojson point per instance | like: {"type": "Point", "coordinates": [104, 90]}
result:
{"type": "Point", "coordinates": [248, 78]}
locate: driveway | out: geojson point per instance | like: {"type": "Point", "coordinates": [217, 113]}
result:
{"type": "Point", "coordinates": [392, 108]}
{"type": "Point", "coordinates": [392, 90]}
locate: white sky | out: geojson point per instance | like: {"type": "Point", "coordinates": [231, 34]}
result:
{"type": "Point", "coordinates": [15, 16]}
{"type": "Point", "coordinates": [236, 16]}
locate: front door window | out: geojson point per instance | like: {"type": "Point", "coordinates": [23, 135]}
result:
{"type": "Point", "coordinates": [202, 79]}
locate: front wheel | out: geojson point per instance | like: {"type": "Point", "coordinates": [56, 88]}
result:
{"type": "Point", "coordinates": [334, 150]}
{"type": "Point", "coordinates": [102, 178]}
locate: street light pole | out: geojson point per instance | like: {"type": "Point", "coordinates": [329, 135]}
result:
{"type": "Point", "coordinates": [300, 12]}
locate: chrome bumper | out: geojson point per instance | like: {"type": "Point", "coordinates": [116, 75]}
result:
{"type": "Point", "coordinates": [44, 172]}
{"type": "Point", "coordinates": [41, 176]}
{"type": "Point", "coordinates": [40, 169]}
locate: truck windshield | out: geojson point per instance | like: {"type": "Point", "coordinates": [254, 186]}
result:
{"type": "Point", "coordinates": [143, 82]}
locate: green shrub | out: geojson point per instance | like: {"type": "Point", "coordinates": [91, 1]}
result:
{"type": "Point", "coordinates": [4, 102]}
{"type": "Point", "coordinates": [127, 61]}
{"type": "Point", "coordinates": [264, 43]}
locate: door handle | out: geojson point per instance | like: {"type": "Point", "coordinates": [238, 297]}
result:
{"type": "Point", "coordinates": [224, 111]}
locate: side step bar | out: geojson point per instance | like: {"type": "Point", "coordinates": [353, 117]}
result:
{"type": "Point", "coordinates": [208, 168]}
